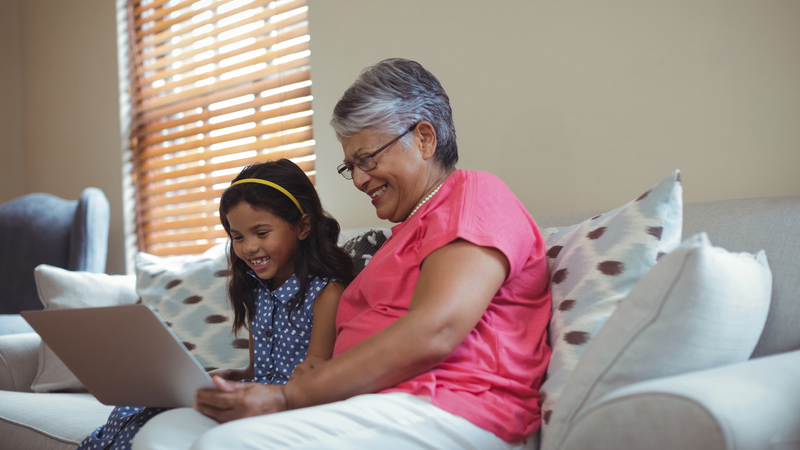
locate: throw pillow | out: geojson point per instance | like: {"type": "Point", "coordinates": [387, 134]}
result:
{"type": "Point", "coordinates": [700, 307]}
{"type": "Point", "coordinates": [190, 294]}
{"type": "Point", "coordinates": [595, 264]}
{"type": "Point", "coordinates": [363, 246]}
{"type": "Point", "coordinates": [62, 289]}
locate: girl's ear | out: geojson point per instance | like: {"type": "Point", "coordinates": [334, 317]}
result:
{"type": "Point", "coordinates": [304, 227]}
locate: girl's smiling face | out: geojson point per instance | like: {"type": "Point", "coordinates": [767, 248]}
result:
{"type": "Point", "coordinates": [266, 242]}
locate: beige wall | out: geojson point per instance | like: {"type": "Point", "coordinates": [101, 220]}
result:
{"type": "Point", "coordinates": [583, 105]}
{"type": "Point", "coordinates": [576, 105]}
{"type": "Point", "coordinates": [64, 104]}
{"type": "Point", "coordinates": [12, 158]}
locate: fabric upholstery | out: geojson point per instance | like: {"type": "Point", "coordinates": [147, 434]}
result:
{"type": "Point", "coordinates": [64, 289]}
{"type": "Point", "coordinates": [189, 293]}
{"type": "Point", "coordinates": [19, 358]}
{"type": "Point", "coordinates": [594, 264]}
{"type": "Point", "coordinates": [745, 406]}
{"type": "Point", "coordinates": [700, 307]}
{"type": "Point", "coordinates": [749, 225]}
{"type": "Point", "coordinates": [48, 421]}
{"type": "Point", "coordinates": [41, 228]}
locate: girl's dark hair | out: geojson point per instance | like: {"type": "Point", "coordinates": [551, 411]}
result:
{"type": "Point", "coordinates": [317, 255]}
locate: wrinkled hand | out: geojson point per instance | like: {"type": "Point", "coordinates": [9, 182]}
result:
{"type": "Point", "coordinates": [239, 400]}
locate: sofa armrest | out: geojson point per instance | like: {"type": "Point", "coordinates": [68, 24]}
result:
{"type": "Point", "coordinates": [751, 405]}
{"type": "Point", "coordinates": [19, 361]}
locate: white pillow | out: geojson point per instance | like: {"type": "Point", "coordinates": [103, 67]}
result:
{"type": "Point", "coordinates": [190, 293]}
{"type": "Point", "coordinates": [700, 307]}
{"type": "Point", "coordinates": [594, 265]}
{"type": "Point", "coordinates": [64, 289]}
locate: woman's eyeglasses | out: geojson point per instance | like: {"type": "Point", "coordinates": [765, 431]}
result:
{"type": "Point", "coordinates": [367, 162]}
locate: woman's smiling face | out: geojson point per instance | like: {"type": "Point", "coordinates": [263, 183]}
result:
{"type": "Point", "coordinates": [397, 183]}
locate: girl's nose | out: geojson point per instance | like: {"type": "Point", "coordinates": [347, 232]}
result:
{"type": "Point", "coordinates": [250, 245]}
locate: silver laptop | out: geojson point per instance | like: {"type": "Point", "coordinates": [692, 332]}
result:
{"type": "Point", "coordinates": [124, 355]}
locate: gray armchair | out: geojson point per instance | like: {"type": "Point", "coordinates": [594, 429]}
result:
{"type": "Point", "coordinates": [41, 228]}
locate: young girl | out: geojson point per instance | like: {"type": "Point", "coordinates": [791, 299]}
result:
{"type": "Point", "coordinates": [287, 276]}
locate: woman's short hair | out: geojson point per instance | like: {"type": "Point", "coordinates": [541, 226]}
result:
{"type": "Point", "coordinates": [392, 95]}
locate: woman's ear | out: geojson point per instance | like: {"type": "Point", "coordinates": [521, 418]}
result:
{"type": "Point", "coordinates": [304, 227]}
{"type": "Point", "coordinates": [426, 134]}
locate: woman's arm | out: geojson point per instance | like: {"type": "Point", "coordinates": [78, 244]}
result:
{"type": "Point", "coordinates": [456, 284]}
{"type": "Point", "coordinates": [323, 328]}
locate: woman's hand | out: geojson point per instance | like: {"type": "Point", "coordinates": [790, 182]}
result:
{"type": "Point", "coordinates": [239, 400]}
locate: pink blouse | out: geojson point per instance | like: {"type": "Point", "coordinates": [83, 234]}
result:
{"type": "Point", "coordinates": [492, 377]}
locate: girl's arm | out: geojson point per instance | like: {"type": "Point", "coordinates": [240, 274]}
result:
{"type": "Point", "coordinates": [246, 372]}
{"type": "Point", "coordinates": [323, 328]}
{"type": "Point", "coordinates": [456, 284]}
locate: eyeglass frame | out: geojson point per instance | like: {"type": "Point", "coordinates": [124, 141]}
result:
{"type": "Point", "coordinates": [342, 169]}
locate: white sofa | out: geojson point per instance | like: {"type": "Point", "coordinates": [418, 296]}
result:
{"type": "Point", "coordinates": [749, 405]}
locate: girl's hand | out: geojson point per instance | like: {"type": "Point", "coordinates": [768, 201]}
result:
{"type": "Point", "coordinates": [239, 400]}
{"type": "Point", "coordinates": [229, 374]}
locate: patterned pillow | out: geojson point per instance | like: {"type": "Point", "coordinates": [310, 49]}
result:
{"type": "Point", "coordinates": [700, 307]}
{"type": "Point", "coordinates": [362, 246]}
{"type": "Point", "coordinates": [595, 264]}
{"type": "Point", "coordinates": [189, 292]}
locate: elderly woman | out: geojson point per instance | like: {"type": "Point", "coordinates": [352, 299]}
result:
{"type": "Point", "coordinates": [441, 340]}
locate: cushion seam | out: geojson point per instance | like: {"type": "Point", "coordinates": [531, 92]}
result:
{"type": "Point", "coordinates": [628, 344]}
{"type": "Point", "coordinates": [8, 369]}
{"type": "Point", "coordinates": [38, 431]}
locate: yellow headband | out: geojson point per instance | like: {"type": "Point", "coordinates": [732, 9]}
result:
{"type": "Point", "coordinates": [271, 184]}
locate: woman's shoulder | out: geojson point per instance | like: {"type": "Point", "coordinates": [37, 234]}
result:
{"type": "Point", "coordinates": [480, 186]}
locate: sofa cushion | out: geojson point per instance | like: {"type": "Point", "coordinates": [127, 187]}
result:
{"type": "Point", "coordinates": [363, 246]}
{"type": "Point", "coordinates": [48, 421]}
{"type": "Point", "coordinates": [594, 265]}
{"type": "Point", "coordinates": [700, 307]}
{"type": "Point", "coordinates": [61, 289]}
{"type": "Point", "coordinates": [190, 294]}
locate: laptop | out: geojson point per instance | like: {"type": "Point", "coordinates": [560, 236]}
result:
{"type": "Point", "coordinates": [124, 355]}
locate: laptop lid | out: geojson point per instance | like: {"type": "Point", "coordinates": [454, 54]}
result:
{"type": "Point", "coordinates": [124, 355]}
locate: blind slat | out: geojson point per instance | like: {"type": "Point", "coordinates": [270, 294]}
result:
{"type": "Point", "coordinates": [206, 127]}
{"type": "Point", "coordinates": [159, 70]}
{"type": "Point", "coordinates": [189, 80]}
{"type": "Point", "coordinates": [213, 90]}
{"type": "Point", "coordinates": [214, 96]}
{"type": "Point", "coordinates": [256, 103]}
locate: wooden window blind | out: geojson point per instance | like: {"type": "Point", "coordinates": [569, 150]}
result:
{"type": "Point", "coordinates": [215, 85]}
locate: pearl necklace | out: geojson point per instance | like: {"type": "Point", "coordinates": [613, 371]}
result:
{"type": "Point", "coordinates": [419, 205]}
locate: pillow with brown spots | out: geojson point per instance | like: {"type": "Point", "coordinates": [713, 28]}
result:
{"type": "Point", "coordinates": [189, 292]}
{"type": "Point", "coordinates": [700, 307]}
{"type": "Point", "coordinates": [595, 264]}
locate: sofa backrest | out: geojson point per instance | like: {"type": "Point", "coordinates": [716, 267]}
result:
{"type": "Point", "coordinates": [747, 225]}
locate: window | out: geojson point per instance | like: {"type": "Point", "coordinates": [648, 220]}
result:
{"type": "Point", "coordinates": [214, 85]}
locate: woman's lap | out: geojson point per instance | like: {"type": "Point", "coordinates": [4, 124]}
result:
{"type": "Point", "coordinates": [386, 421]}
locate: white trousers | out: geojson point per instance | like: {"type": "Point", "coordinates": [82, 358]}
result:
{"type": "Point", "coordinates": [375, 421]}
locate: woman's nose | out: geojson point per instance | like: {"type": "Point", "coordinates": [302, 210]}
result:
{"type": "Point", "coordinates": [360, 178]}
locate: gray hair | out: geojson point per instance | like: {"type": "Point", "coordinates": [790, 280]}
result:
{"type": "Point", "coordinates": [392, 95]}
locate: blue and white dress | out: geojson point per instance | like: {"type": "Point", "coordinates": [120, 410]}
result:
{"type": "Point", "coordinates": [280, 344]}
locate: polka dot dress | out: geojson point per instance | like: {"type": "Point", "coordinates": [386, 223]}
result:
{"type": "Point", "coordinates": [280, 345]}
